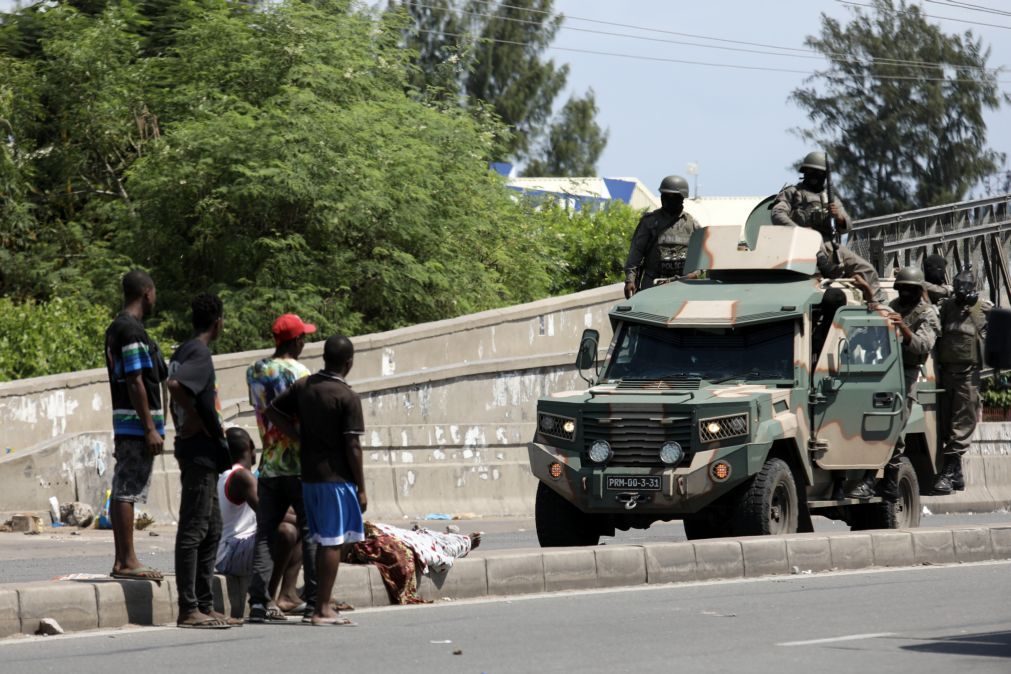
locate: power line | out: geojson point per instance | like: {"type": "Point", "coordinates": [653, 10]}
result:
{"type": "Point", "coordinates": [969, 6]}
{"type": "Point", "coordinates": [805, 53]}
{"type": "Point", "coordinates": [659, 59]}
{"type": "Point", "coordinates": [929, 16]}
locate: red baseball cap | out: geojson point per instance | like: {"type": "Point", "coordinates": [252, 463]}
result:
{"type": "Point", "coordinates": [290, 326]}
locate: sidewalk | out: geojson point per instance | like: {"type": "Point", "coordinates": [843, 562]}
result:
{"type": "Point", "coordinates": [102, 603]}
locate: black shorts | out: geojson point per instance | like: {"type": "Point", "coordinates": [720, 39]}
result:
{"type": "Point", "coordinates": [131, 478]}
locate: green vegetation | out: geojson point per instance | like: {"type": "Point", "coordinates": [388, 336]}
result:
{"type": "Point", "coordinates": [900, 108]}
{"type": "Point", "coordinates": [282, 156]}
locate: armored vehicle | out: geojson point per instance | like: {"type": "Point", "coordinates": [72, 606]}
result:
{"type": "Point", "coordinates": [740, 401]}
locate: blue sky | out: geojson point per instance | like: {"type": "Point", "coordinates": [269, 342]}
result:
{"type": "Point", "coordinates": [735, 124]}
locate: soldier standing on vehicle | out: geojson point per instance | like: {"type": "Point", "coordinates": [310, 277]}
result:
{"type": "Point", "coordinates": [960, 356]}
{"type": "Point", "coordinates": [806, 204]}
{"type": "Point", "coordinates": [660, 243]}
{"type": "Point", "coordinates": [936, 281]}
{"type": "Point", "coordinates": [916, 320]}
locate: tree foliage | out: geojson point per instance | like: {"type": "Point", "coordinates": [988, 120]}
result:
{"type": "Point", "coordinates": [900, 108]}
{"type": "Point", "coordinates": [481, 53]}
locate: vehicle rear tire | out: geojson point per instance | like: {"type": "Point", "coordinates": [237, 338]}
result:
{"type": "Point", "coordinates": [769, 505]}
{"type": "Point", "coordinates": [904, 513]}
{"type": "Point", "coordinates": [561, 524]}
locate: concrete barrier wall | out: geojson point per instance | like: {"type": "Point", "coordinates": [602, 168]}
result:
{"type": "Point", "coordinates": [448, 409]}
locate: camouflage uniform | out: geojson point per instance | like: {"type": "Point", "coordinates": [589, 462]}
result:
{"type": "Point", "coordinates": [959, 354]}
{"type": "Point", "coordinates": [926, 326]}
{"type": "Point", "coordinates": [659, 247]}
{"type": "Point", "coordinates": [800, 207]}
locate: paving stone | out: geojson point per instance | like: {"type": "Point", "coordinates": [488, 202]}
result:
{"type": "Point", "coordinates": [764, 556]}
{"type": "Point", "coordinates": [572, 569]}
{"type": "Point", "coordinates": [10, 621]}
{"type": "Point", "coordinates": [972, 545]}
{"type": "Point", "coordinates": [619, 565]}
{"type": "Point", "coordinates": [72, 604]}
{"type": "Point", "coordinates": [718, 559]}
{"type": "Point", "coordinates": [353, 585]}
{"type": "Point", "coordinates": [515, 573]}
{"type": "Point", "coordinates": [670, 562]}
{"type": "Point", "coordinates": [133, 602]}
{"type": "Point", "coordinates": [1000, 542]}
{"type": "Point", "coordinates": [933, 546]}
{"type": "Point", "coordinates": [809, 553]}
{"type": "Point", "coordinates": [892, 548]}
{"type": "Point", "coordinates": [467, 578]}
{"type": "Point", "coordinates": [851, 551]}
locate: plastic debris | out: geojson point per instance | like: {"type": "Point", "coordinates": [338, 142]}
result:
{"type": "Point", "coordinates": [438, 516]}
{"type": "Point", "coordinates": [458, 652]}
{"type": "Point", "coordinates": [49, 627]}
{"type": "Point", "coordinates": [77, 514]}
{"type": "Point", "coordinates": [441, 641]}
{"type": "Point", "coordinates": [54, 509]}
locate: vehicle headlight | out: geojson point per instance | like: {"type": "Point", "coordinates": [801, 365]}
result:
{"type": "Point", "coordinates": [559, 427]}
{"type": "Point", "coordinates": [600, 451]}
{"type": "Point", "coordinates": [671, 453]}
{"type": "Point", "coordinates": [722, 428]}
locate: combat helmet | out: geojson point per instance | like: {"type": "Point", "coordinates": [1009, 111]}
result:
{"type": "Point", "coordinates": [814, 161]}
{"type": "Point", "coordinates": [674, 185]}
{"type": "Point", "coordinates": [909, 276]}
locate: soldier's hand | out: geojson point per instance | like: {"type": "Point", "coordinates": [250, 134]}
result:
{"type": "Point", "coordinates": [836, 212]}
{"type": "Point", "coordinates": [629, 289]}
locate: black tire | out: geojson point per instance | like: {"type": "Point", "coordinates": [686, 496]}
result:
{"type": "Point", "coordinates": [559, 523]}
{"type": "Point", "coordinates": [769, 504]}
{"type": "Point", "coordinates": [904, 513]}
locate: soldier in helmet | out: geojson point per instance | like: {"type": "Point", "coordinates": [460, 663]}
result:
{"type": "Point", "coordinates": [660, 243]}
{"type": "Point", "coordinates": [960, 356]}
{"type": "Point", "coordinates": [806, 205]}
{"type": "Point", "coordinates": [935, 278]}
{"type": "Point", "coordinates": [916, 320]}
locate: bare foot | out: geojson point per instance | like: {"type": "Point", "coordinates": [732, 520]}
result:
{"type": "Point", "coordinates": [222, 618]}
{"type": "Point", "coordinates": [289, 604]}
{"type": "Point", "coordinates": [199, 620]}
{"type": "Point", "coordinates": [475, 539]}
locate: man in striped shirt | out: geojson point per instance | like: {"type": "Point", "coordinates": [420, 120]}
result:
{"type": "Point", "coordinates": [136, 370]}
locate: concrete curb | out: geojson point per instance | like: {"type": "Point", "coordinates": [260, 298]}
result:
{"type": "Point", "coordinates": [82, 605]}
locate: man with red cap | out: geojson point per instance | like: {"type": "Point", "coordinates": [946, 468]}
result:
{"type": "Point", "coordinates": [279, 486]}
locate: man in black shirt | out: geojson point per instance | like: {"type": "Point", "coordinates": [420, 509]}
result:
{"type": "Point", "coordinates": [330, 424]}
{"type": "Point", "coordinates": [202, 452]}
{"type": "Point", "coordinates": [136, 370]}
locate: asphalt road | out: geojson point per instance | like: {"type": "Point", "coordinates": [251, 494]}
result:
{"type": "Point", "coordinates": [924, 620]}
{"type": "Point", "coordinates": [57, 552]}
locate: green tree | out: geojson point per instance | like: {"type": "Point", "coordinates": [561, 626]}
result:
{"type": "Point", "coordinates": [900, 108]}
{"type": "Point", "coordinates": [62, 335]}
{"type": "Point", "coordinates": [574, 142]}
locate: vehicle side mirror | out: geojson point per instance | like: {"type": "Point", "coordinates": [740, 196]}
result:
{"type": "Point", "coordinates": [586, 359]}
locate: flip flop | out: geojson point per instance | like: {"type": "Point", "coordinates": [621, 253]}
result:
{"type": "Point", "coordinates": [209, 624]}
{"type": "Point", "coordinates": [140, 573]}
{"type": "Point", "coordinates": [296, 610]}
{"type": "Point", "coordinates": [339, 621]}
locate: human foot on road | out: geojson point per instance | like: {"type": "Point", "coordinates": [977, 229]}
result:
{"type": "Point", "coordinates": [332, 620]}
{"type": "Point", "coordinates": [475, 539]}
{"type": "Point", "coordinates": [201, 621]}
{"type": "Point", "coordinates": [232, 622]}
{"type": "Point", "coordinates": [139, 572]}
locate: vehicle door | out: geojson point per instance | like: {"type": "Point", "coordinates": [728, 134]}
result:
{"type": "Point", "coordinates": [858, 406]}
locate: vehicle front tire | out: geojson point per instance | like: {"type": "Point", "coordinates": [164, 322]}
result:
{"type": "Point", "coordinates": [769, 505]}
{"type": "Point", "coordinates": [559, 523]}
{"type": "Point", "coordinates": [904, 513]}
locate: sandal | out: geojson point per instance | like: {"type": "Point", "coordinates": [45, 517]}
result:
{"type": "Point", "coordinates": [140, 573]}
{"type": "Point", "coordinates": [266, 614]}
{"type": "Point", "coordinates": [336, 621]}
{"type": "Point", "coordinates": [206, 624]}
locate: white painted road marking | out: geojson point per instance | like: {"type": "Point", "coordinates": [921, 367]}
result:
{"type": "Point", "coordinates": [831, 640]}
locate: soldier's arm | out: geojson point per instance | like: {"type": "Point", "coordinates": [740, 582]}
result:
{"type": "Point", "coordinates": [782, 207]}
{"type": "Point", "coordinates": [923, 338]}
{"type": "Point", "coordinates": [842, 218]}
{"type": "Point", "coordinates": [638, 249]}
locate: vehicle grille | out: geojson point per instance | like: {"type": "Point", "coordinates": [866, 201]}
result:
{"type": "Point", "coordinates": [685, 384]}
{"type": "Point", "coordinates": [636, 437]}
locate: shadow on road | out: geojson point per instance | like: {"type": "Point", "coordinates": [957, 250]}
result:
{"type": "Point", "coordinates": [988, 644]}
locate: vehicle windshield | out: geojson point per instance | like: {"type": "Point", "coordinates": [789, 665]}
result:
{"type": "Point", "coordinates": [647, 352]}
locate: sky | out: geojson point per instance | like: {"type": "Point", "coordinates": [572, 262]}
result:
{"type": "Point", "coordinates": [734, 124]}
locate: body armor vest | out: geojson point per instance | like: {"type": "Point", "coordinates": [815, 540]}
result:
{"type": "Point", "coordinates": [961, 331]}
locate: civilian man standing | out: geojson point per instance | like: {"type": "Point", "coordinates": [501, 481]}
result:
{"type": "Point", "coordinates": [136, 370]}
{"type": "Point", "coordinates": [202, 453]}
{"type": "Point", "coordinates": [279, 486]}
{"type": "Point", "coordinates": [330, 423]}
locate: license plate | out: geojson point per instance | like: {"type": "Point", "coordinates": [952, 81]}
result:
{"type": "Point", "coordinates": [636, 482]}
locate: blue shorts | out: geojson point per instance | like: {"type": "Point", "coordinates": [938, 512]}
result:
{"type": "Point", "coordinates": [332, 513]}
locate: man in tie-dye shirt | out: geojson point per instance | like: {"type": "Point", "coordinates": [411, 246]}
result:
{"type": "Point", "coordinates": [279, 486]}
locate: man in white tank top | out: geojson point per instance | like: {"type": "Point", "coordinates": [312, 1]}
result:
{"type": "Point", "coordinates": [237, 499]}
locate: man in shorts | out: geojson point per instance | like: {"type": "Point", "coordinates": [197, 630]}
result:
{"type": "Point", "coordinates": [136, 370]}
{"type": "Point", "coordinates": [329, 423]}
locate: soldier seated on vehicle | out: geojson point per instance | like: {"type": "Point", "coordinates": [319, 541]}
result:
{"type": "Point", "coordinates": [806, 204]}
{"type": "Point", "coordinates": [660, 243]}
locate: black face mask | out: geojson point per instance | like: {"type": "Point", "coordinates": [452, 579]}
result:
{"type": "Point", "coordinates": [672, 204]}
{"type": "Point", "coordinates": [909, 295]}
{"type": "Point", "coordinates": [814, 181]}
{"type": "Point", "coordinates": [934, 274]}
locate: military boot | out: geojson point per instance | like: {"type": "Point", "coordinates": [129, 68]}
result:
{"type": "Point", "coordinates": [950, 473]}
{"type": "Point", "coordinates": [866, 487]}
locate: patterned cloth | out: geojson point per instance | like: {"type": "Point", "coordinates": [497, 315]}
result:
{"type": "Point", "coordinates": [129, 350]}
{"type": "Point", "coordinates": [434, 551]}
{"type": "Point", "coordinates": [267, 379]}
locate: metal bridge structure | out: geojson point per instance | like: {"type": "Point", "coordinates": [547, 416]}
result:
{"type": "Point", "coordinates": [976, 232]}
